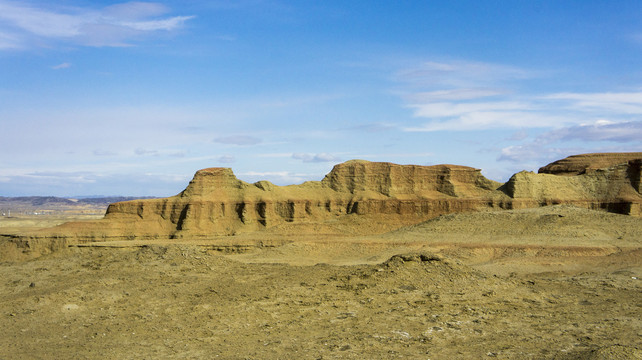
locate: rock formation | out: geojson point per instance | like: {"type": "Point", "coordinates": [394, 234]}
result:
{"type": "Point", "coordinates": [581, 164]}
{"type": "Point", "coordinates": [362, 197]}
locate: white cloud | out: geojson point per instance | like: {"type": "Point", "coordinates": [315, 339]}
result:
{"type": "Point", "coordinates": [534, 152]}
{"type": "Point", "coordinates": [454, 94]}
{"type": "Point", "coordinates": [39, 21]}
{"type": "Point", "coordinates": [153, 25]}
{"type": "Point", "coordinates": [116, 25]}
{"type": "Point", "coordinates": [464, 96]}
{"type": "Point", "coordinates": [621, 103]}
{"type": "Point", "coordinates": [240, 140]}
{"type": "Point", "coordinates": [451, 109]}
{"type": "Point", "coordinates": [226, 159]}
{"type": "Point", "coordinates": [518, 136]}
{"type": "Point", "coordinates": [135, 10]}
{"type": "Point", "coordinates": [145, 152]}
{"type": "Point", "coordinates": [601, 130]}
{"type": "Point", "coordinates": [322, 157]}
{"type": "Point", "coordinates": [74, 177]}
{"type": "Point", "coordinates": [482, 120]}
{"type": "Point", "coordinates": [461, 74]}
{"type": "Point", "coordinates": [547, 147]}
{"type": "Point", "coordinates": [163, 152]}
{"type": "Point", "coordinates": [338, 157]}
{"type": "Point", "coordinates": [373, 127]}
{"type": "Point", "coordinates": [385, 156]}
{"type": "Point", "coordinates": [305, 157]}
{"type": "Point", "coordinates": [9, 41]}
{"type": "Point", "coordinates": [64, 65]}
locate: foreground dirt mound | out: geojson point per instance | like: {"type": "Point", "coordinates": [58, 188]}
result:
{"type": "Point", "coordinates": [359, 197]}
{"type": "Point", "coordinates": [185, 302]}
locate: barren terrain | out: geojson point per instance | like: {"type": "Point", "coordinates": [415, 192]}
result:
{"type": "Point", "coordinates": [548, 283]}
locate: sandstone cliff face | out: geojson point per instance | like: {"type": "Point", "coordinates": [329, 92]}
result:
{"type": "Point", "coordinates": [407, 181]}
{"type": "Point", "coordinates": [216, 203]}
{"type": "Point", "coordinates": [364, 197]}
{"type": "Point", "coordinates": [374, 197]}
{"type": "Point", "coordinates": [581, 180]}
{"type": "Point", "coordinates": [581, 164]}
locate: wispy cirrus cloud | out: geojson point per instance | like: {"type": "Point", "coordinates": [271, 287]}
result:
{"type": "Point", "coordinates": [465, 96]}
{"type": "Point", "coordinates": [64, 65]}
{"type": "Point", "coordinates": [24, 24]}
{"type": "Point", "coordinates": [372, 127]}
{"type": "Point", "coordinates": [305, 157]}
{"type": "Point", "coordinates": [240, 140]}
{"type": "Point", "coordinates": [226, 159]}
{"type": "Point", "coordinates": [454, 94]}
{"type": "Point", "coordinates": [164, 152]}
{"type": "Point", "coordinates": [9, 41]}
{"type": "Point", "coordinates": [489, 119]}
{"type": "Point", "coordinates": [146, 152]}
{"type": "Point", "coordinates": [601, 130]}
{"type": "Point", "coordinates": [321, 157]}
{"type": "Point", "coordinates": [550, 145]}
{"type": "Point", "coordinates": [620, 103]}
{"type": "Point", "coordinates": [460, 74]}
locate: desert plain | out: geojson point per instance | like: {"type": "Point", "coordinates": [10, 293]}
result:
{"type": "Point", "coordinates": [558, 281]}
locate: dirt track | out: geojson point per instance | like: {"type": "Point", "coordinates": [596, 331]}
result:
{"type": "Point", "coordinates": [517, 297]}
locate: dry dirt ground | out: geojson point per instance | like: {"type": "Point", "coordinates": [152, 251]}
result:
{"type": "Point", "coordinates": [548, 283]}
{"type": "Point", "coordinates": [24, 223]}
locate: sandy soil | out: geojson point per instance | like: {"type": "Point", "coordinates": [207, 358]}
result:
{"type": "Point", "coordinates": [550, 283]}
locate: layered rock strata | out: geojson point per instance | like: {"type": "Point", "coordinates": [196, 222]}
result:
{"type": "Point", "coordinates": [587, 163]}
{"type": "Point", "coordinates": [360, 196]}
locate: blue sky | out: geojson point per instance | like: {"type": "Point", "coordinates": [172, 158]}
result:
{"type": "Point", "coordinates": [131, 98]}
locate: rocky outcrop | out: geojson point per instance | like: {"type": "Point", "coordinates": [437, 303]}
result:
{"type": "Point", "coordinates": [586, 163]}
{"type": "Point", "coordinates": [361, 197]}
{"type": "Point", "coordinates": [358, 196]}
{"type": "Point", "coordinates": [407, 181]}
{"type": "Point", "coordinates": [595, 181]}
